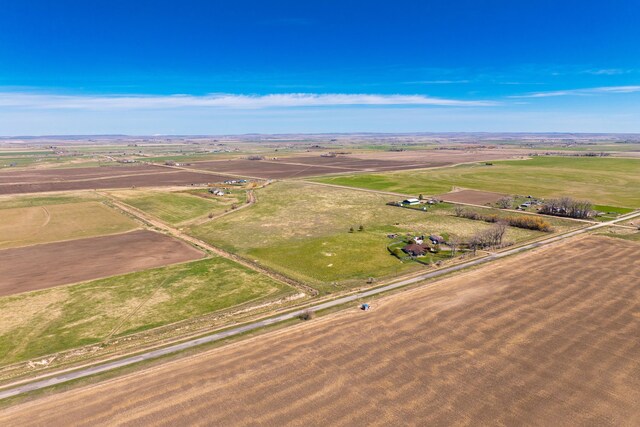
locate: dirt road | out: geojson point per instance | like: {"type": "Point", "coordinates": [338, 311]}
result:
{"type": "Point", "coordinates": [220, 252]}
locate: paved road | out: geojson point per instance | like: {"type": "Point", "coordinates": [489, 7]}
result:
{"type": "Point", "coordinates": [85, 372]}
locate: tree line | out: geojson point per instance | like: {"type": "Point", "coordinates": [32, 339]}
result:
{"type": "Point", "coordinates": [568, 207]}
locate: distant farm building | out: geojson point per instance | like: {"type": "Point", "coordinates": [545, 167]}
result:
{"type": "Point", "coordinates": [415, 249]}
{"type": "Point", "coordinates": [436, 239]}
{"type": "Point", "coordinates": [411, 202]}
{"type": "Point", "coordinates": [216, 191]}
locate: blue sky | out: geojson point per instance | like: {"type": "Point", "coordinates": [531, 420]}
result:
{"type": "Point", "coordinates": [196, 67]}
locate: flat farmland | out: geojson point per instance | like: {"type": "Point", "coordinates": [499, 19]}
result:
{"type": "Point", "coordinates": [178, 207]}
{"type": "Point", "coordinates": [267, 169]}
{"type": "Point", "coordinates": [23, 201]}
{"type": "Point", "coordinates": [163, 178]}
{"type": "Point", "coordinates": [529, 339]}
{"type": "Point", "coordinates": [49, 223]}
{"type": "Point", "coordinates": [450, 157]}
{"type": "Point", "coordinates": [53, 264]}
{"type": "Point", "coordinates": [62, 319]}
{"type": "Point", "coordinates": [302, 230]}
{"type": "Point", "coordinates": [315, 165]}
{"type": "Point", "coordinates": [474, 197]}
{"type": "Point", "coordinates": [604, 181]}
{"type": "Point", "coordinates": [353, 162]}
{"type": "Point", "coordinates": [71, 174]}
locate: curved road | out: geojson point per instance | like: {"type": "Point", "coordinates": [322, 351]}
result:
{"type": "Point", "coordinates": [85, 372]}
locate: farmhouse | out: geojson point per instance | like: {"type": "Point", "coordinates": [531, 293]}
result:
{"type": "Point", "coordinates": [216, 191]}
{"type": "Point", "coordinates": [411, 201]}
{"type": "Point", "coordinates": [415, 249]}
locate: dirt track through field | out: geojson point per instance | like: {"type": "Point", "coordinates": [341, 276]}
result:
{"type": "Point", "coordinates": [549, 337]}
{"type": "Point", "coordinates": [43, 266]}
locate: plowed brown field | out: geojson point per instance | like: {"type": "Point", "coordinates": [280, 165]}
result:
{"type": "Point", "coordinates": [545, 338]}
{"type": "Point", "coordinates": [59, 175]}
{"type": "Point", "coordinates": [267, 169]}
{"type": "Point", "coordinates": [44, 266]}
{"type": "Point", "coordinates": [475, 197]}
{"type": "Point", "coordinates": [316, 165]}
{"type": "Point", "coordinates": [100, 178]}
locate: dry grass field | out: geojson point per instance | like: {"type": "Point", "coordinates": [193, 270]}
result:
{"type": "Point", "coordinates": [549, 337]}
{"type": "Point", "coordinates": [449, 157]}
{"type": "Point", "coordinates": [178, 207]}
{"type": "Point", "coordinates": [49, 223]}
{"type": "Point", "coordinates": [43, 266]}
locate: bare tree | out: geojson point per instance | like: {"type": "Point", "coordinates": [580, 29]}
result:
{"type": "Point", "coordinates": [566, 206]}
{"type": "Point", "coordinates": [454, 243]}
{"type": "Point", "coordinates": [492, 236]}
{"type": "Point", "coordinates": [505, 202]}
{"type": "Point", "coordinates": [496, 233]}
{"type": "Point", "coordinates": [475, 242]}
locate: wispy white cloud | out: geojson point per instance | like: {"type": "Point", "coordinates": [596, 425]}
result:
{"type": "Point", "coordinates": [436, 82]}
{"type": "Point", "coordinates": [228, 101]}
{"type": "Point", "coordinates": [578, 92]}
{"type": "Point", "coordinates": [608, 71]}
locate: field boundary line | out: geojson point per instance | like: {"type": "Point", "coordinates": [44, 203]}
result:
{"type": "Point", "coordinates": [206, 246]}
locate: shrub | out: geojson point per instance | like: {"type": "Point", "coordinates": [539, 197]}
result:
{"type": "Point", "coordinates": [529, 223]}
{"type": "Point", "coordinates": [505, 202]}
{"type": "Point", "coordinates": [306, 315]}
{"type": "Point", "coordinates": [398, 253]}
{"type": "Point", "coordinates": [521, 221]}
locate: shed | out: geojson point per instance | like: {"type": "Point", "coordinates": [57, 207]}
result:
{"type": "Point", "coordinates": [436, 239]}
{"type": "Point", "coordinates": [411, 201]}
